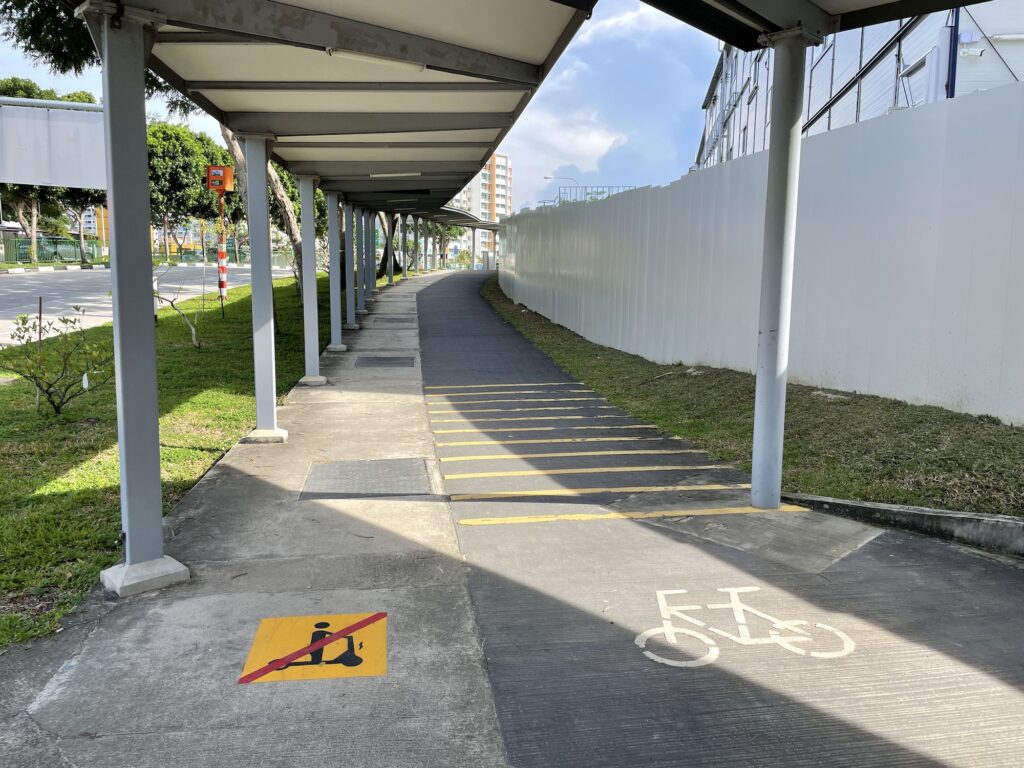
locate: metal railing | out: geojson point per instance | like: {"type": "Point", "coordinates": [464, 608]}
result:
{"type": "Point", "coordinates": [577, 194]}
{"type": "Point", "coordinates": [49, 250]}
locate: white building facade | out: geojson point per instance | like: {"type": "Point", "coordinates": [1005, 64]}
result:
{"type": "Point", "coordinates": [861, 74]}
{"type": "Point", "coordinates": [489, 196]}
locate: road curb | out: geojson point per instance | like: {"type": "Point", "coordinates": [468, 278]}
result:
{"type": "Point", "coordinates": [1003, 534]}
{"type": "Point", "coordinates": [52, 268]}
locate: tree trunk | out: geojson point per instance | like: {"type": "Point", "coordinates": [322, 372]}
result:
{"type": "Point", "coordinates": [235, 148]}
{"type": "Point", "coordinates": [34, 233]}
{"type": "Point", "coordinates": [167, 242]}
{"type": "Point", "coordinates": [291, 222]}
{"type": "Point", "coordinates": [81, 236]}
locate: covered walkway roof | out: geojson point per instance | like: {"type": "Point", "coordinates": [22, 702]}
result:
{"type": "Point", "coordinates": [396, 104]}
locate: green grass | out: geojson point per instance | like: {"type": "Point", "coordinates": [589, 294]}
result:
{"type": "Point", "coordinates": [59, 499]}
{"type": "Point", "coordinates": [852, 447]}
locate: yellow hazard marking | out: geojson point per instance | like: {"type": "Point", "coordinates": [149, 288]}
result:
{"type": "Point", "coordinates": [565, 455]}
{"type": "Point", "coordinates": [512, 392]}
{"type": "Point", "coordinates": [533, 418]}
{"type": "Point", "coordinates": [544, 441]}
{"type": "Point", "coordinates": [516, 400]}
{"type": "Point", "coordinates": [583, 471]}
{"type": "Point", "coordinates": [584, 516]}
{"type": "Point", "coordinates": [364, 653]}
{"type": "Point", "coordinates": [521, 384]}
{"type": "Point", "coordinates": [522, 410]}
{"type": "Point", "coordinates": [591, 491]}
{"type": "Point", "coordinates": [503, 430]}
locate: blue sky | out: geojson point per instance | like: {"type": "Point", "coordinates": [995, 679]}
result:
{"type": "Point", "coordinates": [622, 106]}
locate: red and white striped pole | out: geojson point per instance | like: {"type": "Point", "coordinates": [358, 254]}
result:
{"type": "Point", "coordinates": [222, 255]}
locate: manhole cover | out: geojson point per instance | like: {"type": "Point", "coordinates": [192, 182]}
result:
{"type": "Point", "coordinates": [386, 320]}
{"type": "Point", "coordinates": [385, 362]}
{"type": "Point", "coordinates": [386, 478]}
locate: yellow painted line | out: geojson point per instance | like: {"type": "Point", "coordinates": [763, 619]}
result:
{"type": "Point", "coordinates": [544, 429]}
{"type": "Point", "coordinates": [564, 455]}
{"type": "Point", "coordinates": [460, 443]}
{"type": "Point", "coordinates": [582, 471]}
{"type": "Point", "coordinates": [521, 410]}
{"type": "Point", "coordinates": [591, 491]}
{"type": "Point", "coordinates": [586, 517]}
{"type": "Point", "coordinates": [520, 384]}
{"type": "Point", "coordinates": [531, 418]}
{"type": "Point", "coordinates": [512, 392]}
{"type": "Point", "coordinates": [518, 400]}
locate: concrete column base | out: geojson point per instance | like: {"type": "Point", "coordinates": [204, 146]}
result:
{"type": "Point", "coordinates": [132, 579]}
{"type": "Point", "coordinates": [351, 326]}
{"type": "Point", "coordinates": [336, 348]}
{"type": "Point", "coordinates": [312, 381]}
{"type": "Point", "coordinates": [276, 435]}
{"type": "Point", "coordinates": [361, 312]}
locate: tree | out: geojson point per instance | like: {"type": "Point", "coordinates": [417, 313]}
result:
{"type": "Point", "coordinates": [76, 201]}
{"type": "Point", "coordinates": [177, 173]}
{"type": "Point", "coordinates": [464, 259]}
{"type": "Point", "coordinates": [23, 88]}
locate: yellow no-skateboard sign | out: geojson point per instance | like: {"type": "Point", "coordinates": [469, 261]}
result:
{"type": "Point", "coordinates": [315, 647]}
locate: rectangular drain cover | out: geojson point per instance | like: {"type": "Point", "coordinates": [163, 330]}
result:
{"type": "Point", "coordinates": [385, 362]}
{"type": "Point", "coordinates": [392, 320]}
{"type": "Point", "coordinates": [385, 478]}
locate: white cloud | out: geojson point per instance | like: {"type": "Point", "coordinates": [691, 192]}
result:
{"type": "Point", "coordinates": [566, 75]}
{"type": "Point", "coordinates": [543, 142]}
{"type": "Point", "coordinates": [636, 23]}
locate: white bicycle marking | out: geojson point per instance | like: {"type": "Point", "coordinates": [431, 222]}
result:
{"type": "Point", "coordinates": [790, 634]}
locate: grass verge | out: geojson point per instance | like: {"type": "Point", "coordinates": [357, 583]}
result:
{"type": "Point", "coordinates": [59, 498]}
{"type": "Point", "coordinates": [837, 444]}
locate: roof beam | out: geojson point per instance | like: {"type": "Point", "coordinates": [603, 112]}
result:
{"type": "Point", "coordinates": [382, 145]}
{"type": "Point", "coordinates": [357, 168]}
{"type": "Point", "coordinates": [265, 20]}
{"type": "Point", "coordinates": [411, 186]}
{"type": "Point", "coordinates": [351, 86]}
{"type": "Point", "coordinates": [327, 123]}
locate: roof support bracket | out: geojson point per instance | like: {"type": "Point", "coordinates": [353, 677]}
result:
{"type": "Point", "coordinates": [770, 39]}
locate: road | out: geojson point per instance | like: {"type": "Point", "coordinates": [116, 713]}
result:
{"type": "Point", "coordinates": [90, 290]}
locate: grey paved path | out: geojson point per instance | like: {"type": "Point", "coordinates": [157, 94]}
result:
{"type": "Point", "coordinates": [867, 648]}
{"type": "Point", "coordinates": [524, 621]}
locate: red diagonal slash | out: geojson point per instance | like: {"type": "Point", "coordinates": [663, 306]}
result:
{"type": "Point", "coordinates": [286, 660]}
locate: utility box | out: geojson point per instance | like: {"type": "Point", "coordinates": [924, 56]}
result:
{"type": "Point", "coordinates": [220, 178]}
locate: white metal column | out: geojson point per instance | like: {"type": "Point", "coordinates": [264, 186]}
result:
{"type": "Point", "coordinates": [310, 320]}
{"type": "Point", "coordinates": [257, 150]}
{"type": "Point", "coordinates": [350, 269]}
{"type": "Point", "coordinates": [360, 260]}
{"type": "Point", "coordinates": [417, 252]}
{"type": "Point", "coordinates": [473, 248]}
{"type": "Point", "coordinates": [124, 51]}
{"type": "Point", "coordinates": [370, 256]}
{"type": "Point", "coordinates": [374, 221]}
{"type": "Point", "coordinates": [403, 245]}
{"type": "Point", "coordinates": [777, 267]}
{"type": "Point", "coordinates": [389, 248]}
{"type": "Point", "coordinates": [334, 257]}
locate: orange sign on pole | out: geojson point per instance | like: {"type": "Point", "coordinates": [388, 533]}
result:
{"type": "Point", "coordinates": [220, 178]}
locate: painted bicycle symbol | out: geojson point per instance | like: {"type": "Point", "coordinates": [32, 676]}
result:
{"type": "Point", "coordinates": [817, 640]}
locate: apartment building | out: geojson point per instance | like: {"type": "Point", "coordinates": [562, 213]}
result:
{"type": "Point", "coordinates": [489, 196]}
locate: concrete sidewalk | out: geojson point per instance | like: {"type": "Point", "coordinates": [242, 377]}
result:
{"type": "Point", "coordinates": [152, 680]}
{"type": "Point", "coordinates": [622, 606]}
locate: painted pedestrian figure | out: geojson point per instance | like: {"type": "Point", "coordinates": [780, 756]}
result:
{"type": "Point", "coordinates": [348, 658]}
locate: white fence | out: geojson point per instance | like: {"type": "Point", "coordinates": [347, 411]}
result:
{"type": "Point", "coordinates": [909, 277]}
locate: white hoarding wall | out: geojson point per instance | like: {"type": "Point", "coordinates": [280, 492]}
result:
{"type": "Point", "coordinates": [52, 147]}
{"type": "Point", "coordinates": [909, 278]}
